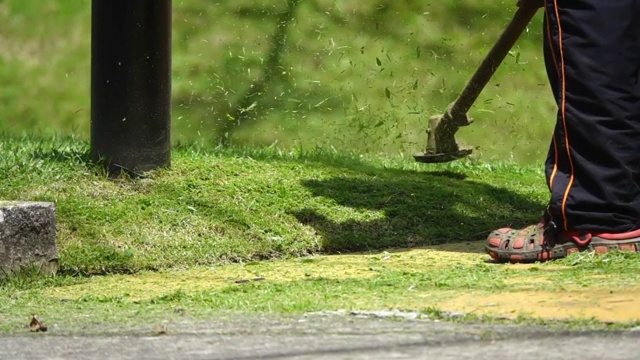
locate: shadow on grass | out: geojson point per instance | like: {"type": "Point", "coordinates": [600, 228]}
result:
{"type": "Point", "coordinates": [370, 207]}
{"type": "Point", "coordinates": [415, 209]}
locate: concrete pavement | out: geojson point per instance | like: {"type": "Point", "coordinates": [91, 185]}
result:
{"type": "Point", "coordinates": [323, 336]}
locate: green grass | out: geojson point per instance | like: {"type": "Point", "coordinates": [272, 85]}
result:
{"type": "Point", "coordinates": [410, 289]}
{"type": "Point", "coordinates": [323, 166]}
{"type": "Point", "coordinates": [182, 235]}
{"type": "Point", "coordinates": [360, 77]}
{"type": "Point", "coordinates": [221, 205]}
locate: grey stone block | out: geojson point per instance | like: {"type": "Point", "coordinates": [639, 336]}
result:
{"type": "Point", "coordinates": [28, 237]}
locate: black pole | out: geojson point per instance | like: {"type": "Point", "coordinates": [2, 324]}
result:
{"type": "Point", "coordinates": [131, 84]}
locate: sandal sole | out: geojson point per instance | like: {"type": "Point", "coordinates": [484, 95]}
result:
{"type": "Point", "coordinates": [598, 245]}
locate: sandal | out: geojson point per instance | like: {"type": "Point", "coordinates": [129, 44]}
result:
{"type": "Point", "coordinates": [541, 243]}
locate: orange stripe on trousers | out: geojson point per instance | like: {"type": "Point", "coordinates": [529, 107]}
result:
{"type": "Point", "coordinates": [564, 118]}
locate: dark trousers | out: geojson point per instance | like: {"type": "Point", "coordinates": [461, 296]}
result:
{"type": "Point", "coordinates": [592, 54]}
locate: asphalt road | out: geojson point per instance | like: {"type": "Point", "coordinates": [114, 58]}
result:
{"type": "Point", "coordinates": [324, 336]}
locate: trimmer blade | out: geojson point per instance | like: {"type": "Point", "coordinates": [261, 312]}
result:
{"type": "Point", "coordinates": [443, 157]}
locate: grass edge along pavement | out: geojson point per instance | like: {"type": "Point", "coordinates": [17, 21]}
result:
{"type": "Point", "coordinates": [439, 283]}
{"type": "Point", "coordinates": [218, 210]}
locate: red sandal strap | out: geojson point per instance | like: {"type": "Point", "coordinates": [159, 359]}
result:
{"type": "Point", "coordinates": [620, 236]}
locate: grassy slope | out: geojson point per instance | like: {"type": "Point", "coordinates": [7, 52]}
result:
{"type": "Point", "coordinates": [331, 91]}
{"type": "Point", "coordinates": [231, 205]}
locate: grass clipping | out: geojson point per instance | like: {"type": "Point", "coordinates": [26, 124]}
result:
{"type": "Point", "coordinates": [450, 278]}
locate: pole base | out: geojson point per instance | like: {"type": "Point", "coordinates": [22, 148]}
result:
{"type": "Point", "coordinates": [442, 157]}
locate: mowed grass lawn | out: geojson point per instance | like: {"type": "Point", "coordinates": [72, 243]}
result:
{"type": "Point", "coordinates": [216, 205]}
{"type": "Point", "coordinates": [316, 230]}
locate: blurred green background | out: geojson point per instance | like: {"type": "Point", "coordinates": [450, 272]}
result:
{"type": "Point", "coordinates": [355, 76]}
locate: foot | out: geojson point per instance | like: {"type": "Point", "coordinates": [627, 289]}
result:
{"type": "Point", "coordinates": [542, 243]}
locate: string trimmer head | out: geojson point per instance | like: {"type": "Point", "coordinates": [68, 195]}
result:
{"type": "Point", "coordinates": [441, 141]}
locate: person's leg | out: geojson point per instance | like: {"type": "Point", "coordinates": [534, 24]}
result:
{"type": "Point", "coordinates": [592, 53]}
{"type": "Point", "coordinates": [593, 170]}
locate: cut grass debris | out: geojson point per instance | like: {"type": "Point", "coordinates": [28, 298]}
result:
{"type": "Point", "coordinates": [357, 75]}
{"type": "Point", "coordinates": [439, 281]}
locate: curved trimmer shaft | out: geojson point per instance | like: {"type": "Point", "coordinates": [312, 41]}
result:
{"type": "Point", "coordinates": [441, 142]}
